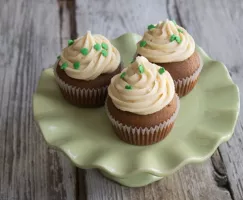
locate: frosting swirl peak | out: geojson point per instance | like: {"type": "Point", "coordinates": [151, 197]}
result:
{"type": "Point", "coordinates": [142, 88]}
{"type": "Point", "coordinates": [166, 42]}
{"type": "Point", "coordinates": [89, 56]}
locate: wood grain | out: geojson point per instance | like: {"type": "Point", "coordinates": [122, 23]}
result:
{"type": "Point", "coordinates": [30, 41]}
{"type": "Point", "coordinates": [217, 27]}
{"type": "Point", "coordinates": [206, 181]}
{"type": "Point", "coordinates": [31, 35]}
{"type": "Point", "coordinates": [192, 182]}
{"type": "Point", "coordinates": [114, 18]}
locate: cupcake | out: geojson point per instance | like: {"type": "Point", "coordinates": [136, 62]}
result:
{"type": "Point", "coordinates": [172, 47]}
{"type": "Point", "coordinates": [85, 68]}
{"type": "Point", "coordinates": [142, 104]}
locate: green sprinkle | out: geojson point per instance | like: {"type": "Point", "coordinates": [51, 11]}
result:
{"type": "Point", "coordinates": [178, 39]}
{"type": "Point", "coordinates": [151, 26]}
{"type": "Point", "coordinates": [179, 30]}
{"type": "Point", "coordinates": [161, 70]}
{"type": "Point", "coordinates": [143, 43]}
{"type": "Point", "coordinates": [128, 87]}
{"type": "Point", "coordinates": [174, 22]}
{"type": "Point", "coordinates": [58, 57]}
{"type": "Point", "coordinates": [64, 65]}
{"type": "Point", "coordinates": [104, 52]}
{"type": "Point", "coordinates": [84, 51]}
{"type": "Point", "coordinates": [141, 69]}
{"type": "Point", "coordinates": [97, 47]}
{"type": "Point", "coordinates": [76, 65]}
{"type": "Point", "coordinates": [70, 42]}
{"type": "Point", "coordinates": [104, 46]}
{"type": "Point", "coordinates": [123, 74]}
{"type": "Point", "coordinates": [172, 37]}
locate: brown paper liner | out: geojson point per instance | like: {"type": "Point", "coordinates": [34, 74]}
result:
{"type": "Point", "coordinates": [82, 97]}
{"type": "Point", "coordinates": [185, 85]}
{"type": "Point", "coordinates": [143, 136]}
{"type": "Point", "coordinates": [85, 97]}
{"type": "Point", "coordinates": [145, 139]}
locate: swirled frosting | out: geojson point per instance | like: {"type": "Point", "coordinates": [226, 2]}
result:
{"type": "Point", "coordinates": [159, 48]}
{"type": "Point", "coordinates": [94, 62]}
{"type": "Point", "coordinates": [142, 88]}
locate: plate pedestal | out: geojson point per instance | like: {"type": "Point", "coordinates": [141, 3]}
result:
{"type": "Point", "coordinates": [207, 118]}
{"type": "Point", "coordinates": [139, 180]}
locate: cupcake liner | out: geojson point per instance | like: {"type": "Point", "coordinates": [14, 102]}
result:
{"type": "Point", "coordinates": [82, 97]}
{"type": "Point", "coordinates": [185, 85]}
{"type": "Point", "coordinates": [143, 136]}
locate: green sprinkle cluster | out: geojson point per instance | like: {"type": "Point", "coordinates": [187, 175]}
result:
{"type": "Point", "coordinates": [141, 69]}
{"type": "Point", "coordinates": [64, 66]}
{"type": "Point", "coordinates": [70, 42]}
{"type": "Point", "coordinates": [123, 74]}
{"type": "Point", "coordinates": [161, 70]}
{"type": "Point", "coordinates": [143, 43]}
{"type": "Point", "coordinates": [85, 52]}
{"type": "Point", "coordinates": [128, 87]}
{"type": "Point", "coordinates": [151, 26]}
{"type": "Point", "coordinates": [104, 51]}
{"type": "Point", "coordinates": [104, 47]}
{"type": "Point", "coordinates": [176, 38]}
{"type": "Point", "coordinates": [179, 30]}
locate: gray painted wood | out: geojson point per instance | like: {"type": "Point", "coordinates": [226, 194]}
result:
{"type": "Point", "coordinates": [113, 18]}
{"type": "Point", "coordinates": [217, 27]}
{"type": "Point", "coordinates": [30, 41]}
{"type": "Point", "coordinates": [192, 182]}
{"type": "Point", "coordinates": [31, 35]}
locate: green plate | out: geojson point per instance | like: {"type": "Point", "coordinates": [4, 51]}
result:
{"type": "Point", "coordinates": [206, 119]}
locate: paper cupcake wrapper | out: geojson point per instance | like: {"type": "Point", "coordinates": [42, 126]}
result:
{"type": "Point", "coordinates": [185, 85]}
{"type": "Point", "coordinates": [82, 97]}
{"type": "Point", "coordinates": [143, 136]}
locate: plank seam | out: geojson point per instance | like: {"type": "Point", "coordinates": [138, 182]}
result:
{"type": "Point", "coordinates": [222, 178]}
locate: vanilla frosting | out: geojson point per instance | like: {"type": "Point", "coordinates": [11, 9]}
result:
{"type": "Point", "coordinates": [141, 88]}
{"type": "Point", "coordinates": [160, 49]}
{"type": "Point", "coordinates": [93, 64]}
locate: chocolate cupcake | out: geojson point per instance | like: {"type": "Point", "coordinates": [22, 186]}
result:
{"type": "Point", "coordinates": [84, 70]}
{"type": "Point", "coordinates": [142, 104]}
{"type": "Point", "coordinates": [171, 46]}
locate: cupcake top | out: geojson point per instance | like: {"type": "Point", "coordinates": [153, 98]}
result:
{"type": "Point", "coordinates": [88, 57]}
{"type": "Point", "coordinates": [142, 88]}
{"type": "Point", "coordinates": [166, 42]}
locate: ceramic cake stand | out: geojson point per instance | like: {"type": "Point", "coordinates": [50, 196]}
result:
{"type": "Point", "coordinates": [206, 119]}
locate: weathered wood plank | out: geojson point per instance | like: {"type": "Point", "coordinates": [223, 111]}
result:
{"type": "Point", "coordinates": [68, 30]}
{"type": "Point", "coordinates": [191, 182]}
{"type": "Point", "coordinates": [217, 27]}
{"type": "Point", "coordinates": [67, 21]}
{"type": "Point", "coordinates": [30, 41]}
{"type": "Point", "coordinates": [113, 18]}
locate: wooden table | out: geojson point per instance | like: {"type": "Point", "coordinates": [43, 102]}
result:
{"type": "Point", "coordinates": [33, 32]}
